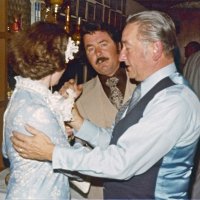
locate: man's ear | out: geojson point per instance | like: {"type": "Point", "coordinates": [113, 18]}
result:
{"type": "Point", "coordinates": [157, 50]}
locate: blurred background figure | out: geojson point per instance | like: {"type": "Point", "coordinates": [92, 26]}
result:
{"type": "Point", "coordinates": [191, 48]}
{"type": "Point", "coordinates": [191, 72]}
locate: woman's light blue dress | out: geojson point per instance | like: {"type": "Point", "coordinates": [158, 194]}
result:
{"type": "Point", "coordinates": [30, 179]}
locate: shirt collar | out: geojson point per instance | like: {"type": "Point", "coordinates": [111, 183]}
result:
{"type": "Point", "coordinates": [33, 85]}
{"type": "Point", "coordinates": [152, 80]}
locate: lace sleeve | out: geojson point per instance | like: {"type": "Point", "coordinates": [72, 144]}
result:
{"type": "Point", "coordinates": [63, 105]}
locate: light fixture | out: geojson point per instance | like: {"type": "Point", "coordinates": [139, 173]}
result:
{"type": "Point", "coordinates": [55, 6]}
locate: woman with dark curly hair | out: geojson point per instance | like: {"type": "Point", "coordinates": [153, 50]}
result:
{"type": "Point", "coordinates": [39, 57]}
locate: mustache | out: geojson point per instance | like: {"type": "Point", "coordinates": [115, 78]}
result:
{"type": "Point", "coordinates": [101, 59]}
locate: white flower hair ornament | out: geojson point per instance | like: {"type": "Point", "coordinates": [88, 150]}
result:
{"type": "Point", "coordinates": [71, 49]}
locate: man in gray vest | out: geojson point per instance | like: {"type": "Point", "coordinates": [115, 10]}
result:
{"type": "Point", "coordinates": [149, 154]}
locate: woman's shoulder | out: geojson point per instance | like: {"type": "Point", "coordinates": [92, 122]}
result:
{"type": "Point", "coordinates": [30, 105]}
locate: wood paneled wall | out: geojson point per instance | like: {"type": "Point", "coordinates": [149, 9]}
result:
{"type": "Point", "coordinates": [3, 67]}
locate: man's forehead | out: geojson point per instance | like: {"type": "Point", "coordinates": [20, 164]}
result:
{"type": "Point", "coordinates": [130, 31]}
{"type": "Point", "coordinates": [98, 32]}
{"type": "Point", "coordinates": [96, 37]}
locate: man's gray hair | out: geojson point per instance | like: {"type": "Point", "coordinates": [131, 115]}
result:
{"type": "Point", "coordinates": [155, 26]}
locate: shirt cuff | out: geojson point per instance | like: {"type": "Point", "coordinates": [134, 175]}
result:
{"type": "Point", "coordinates": [87, 131]}
{"type": "Point", "coordinates": [63, 158]}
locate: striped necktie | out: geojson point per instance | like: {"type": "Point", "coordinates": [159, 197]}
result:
{"type": "Point", "coordinates": [121, 111]}
{"type": "Point", "coordinates": [116, 96]}
{"type": "Point", "coordinates": [135, 98]}
{"type": "Point", "coordinates": [129, 104]}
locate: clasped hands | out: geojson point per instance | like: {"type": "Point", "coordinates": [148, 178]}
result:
{"type": "Point", "coordinates": [39, 146]}
{"type": "Point", "coordinates": [77, 120]}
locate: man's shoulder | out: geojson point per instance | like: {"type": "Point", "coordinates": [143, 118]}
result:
{"type": "Point", "coordinates": [90, 85]}
{"type": "Point", "coordinates": [91, 90]}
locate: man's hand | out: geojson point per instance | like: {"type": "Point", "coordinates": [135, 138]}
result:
{"type": "Point", "coordinates": [36, 147]}
{"type": "Point", "coordinates": [71, 84]}
{"type": "Point", "coordinates": [77, 119]}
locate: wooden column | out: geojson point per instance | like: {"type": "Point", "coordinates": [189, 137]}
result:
{"type": "Point", "coordinates": [3, 69]}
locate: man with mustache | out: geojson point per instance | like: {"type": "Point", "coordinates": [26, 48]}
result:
{"type": "Point", "coordinates": [101, 44]}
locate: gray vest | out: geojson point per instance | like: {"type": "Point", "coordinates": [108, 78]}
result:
{"type": "Point", "coordinates": [140, 186]}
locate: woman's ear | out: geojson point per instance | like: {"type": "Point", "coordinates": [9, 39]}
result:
{"type": "Point", "coordinates": [157, 50]}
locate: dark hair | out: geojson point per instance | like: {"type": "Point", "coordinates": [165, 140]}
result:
{"type": "Point", "coordinates": [193, 44]}
{"type": "Point", "coordinates": [90, 28]}
{"type": "Point", "coordinates": [39, 51]}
